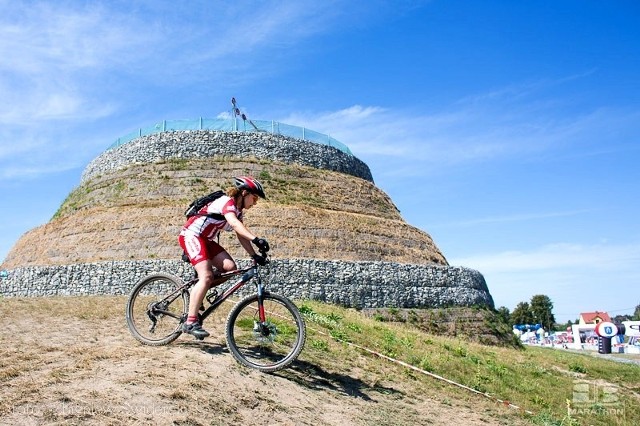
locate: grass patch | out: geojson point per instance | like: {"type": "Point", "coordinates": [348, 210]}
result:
{"type": "Point", "coordinates": [540, 380]}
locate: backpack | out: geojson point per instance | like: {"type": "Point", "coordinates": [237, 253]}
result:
{"type": "Point", "coordinates": [199, 203]}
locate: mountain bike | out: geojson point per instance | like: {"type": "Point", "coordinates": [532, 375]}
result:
{"type": "Point", "coordinates": [264, 330]}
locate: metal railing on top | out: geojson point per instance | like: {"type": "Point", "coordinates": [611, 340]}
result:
{"type": "Point", "coordinates": [235, 125]}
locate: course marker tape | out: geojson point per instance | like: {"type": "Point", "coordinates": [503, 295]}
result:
{"type": "Point", "coordinates": [435, 376]}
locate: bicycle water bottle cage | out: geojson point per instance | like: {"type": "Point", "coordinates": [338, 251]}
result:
{"type": "Point", "coordinates": [212, 296]}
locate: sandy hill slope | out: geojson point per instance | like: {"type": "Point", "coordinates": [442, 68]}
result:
{"type": "Point", "coordinates": [136, 213]}
{"type": "Point", "coordinates": [81, 366]}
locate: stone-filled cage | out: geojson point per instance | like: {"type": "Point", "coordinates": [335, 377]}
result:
{"type": "Point", "coordinates": [335, 236]}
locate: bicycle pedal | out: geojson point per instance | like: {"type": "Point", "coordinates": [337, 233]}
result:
{"type": "Point", "coordinates": [198, 338]}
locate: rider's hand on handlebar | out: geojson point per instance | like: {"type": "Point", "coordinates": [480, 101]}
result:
{"type": "Point", "coordinates": [261, 243]}
{"type": "Point", "coordinates": [260, 260]}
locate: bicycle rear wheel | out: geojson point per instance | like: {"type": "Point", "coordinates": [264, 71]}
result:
{"type": "Point", "coordinates": [270, 345]}
{"type": "Point", "coordinates": [156, 309]}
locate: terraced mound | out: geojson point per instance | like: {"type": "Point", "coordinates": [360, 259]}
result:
{"type": "Point", "coordinates": [136, 211]}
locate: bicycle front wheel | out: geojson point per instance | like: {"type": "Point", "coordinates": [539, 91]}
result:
{"type": "Point", "coordinates": [269, 345]}
{"type": "Point", "coordinates": [156, 309]}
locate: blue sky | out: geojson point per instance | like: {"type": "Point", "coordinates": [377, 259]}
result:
{"type": "Point", "coordinates": [508, 130]}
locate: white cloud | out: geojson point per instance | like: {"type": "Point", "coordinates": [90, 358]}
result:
{"type": "Point", "coordinates": [23, 172]}
{"type": "Point", "coordinates": [556, 256]}
{"type": "Point", "coordinates": [444, 138]}
{"type": "Point", "coordinates": [577, 278]}
{"type": "Point", "coordinates": [52, 38]}
{"type": "Point", "coordinates": [54, 54]}
{"type": "Point", "coordinates": [504, 124]}
{"type": "Point", "coordinates": [513, 218]}
{"type": "Point", "coordinates": [69, 64]}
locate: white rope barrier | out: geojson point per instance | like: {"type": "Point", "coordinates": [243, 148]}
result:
{"type": "Point", "coordinates": [426, 373]}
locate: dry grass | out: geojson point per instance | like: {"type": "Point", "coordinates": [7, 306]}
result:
{"type": "Point", "coordinates": [180, 181]}
{"type": "Point", "coordinates": [137, 213]}
{"type": "Point", "coordinates": [72, 361]}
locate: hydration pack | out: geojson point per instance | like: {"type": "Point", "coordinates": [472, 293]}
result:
{"type": "Point", "coordinates": [197, 205]}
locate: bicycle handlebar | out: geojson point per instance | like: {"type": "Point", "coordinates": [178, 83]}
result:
{"type": "Point", "coordinates": [264, 254]}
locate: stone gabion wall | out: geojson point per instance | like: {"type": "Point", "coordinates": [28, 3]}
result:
{"type": "Point", "coordinates": [351, 284]}
{"type": "Point", "coordinates": [189, 144]}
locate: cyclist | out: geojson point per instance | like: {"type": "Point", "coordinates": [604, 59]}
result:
{"type": "Point", "coordinates": [197, 239]}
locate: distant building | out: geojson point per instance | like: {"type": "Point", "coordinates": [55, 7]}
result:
{"type": "Point", "coordinates": [593, 318]}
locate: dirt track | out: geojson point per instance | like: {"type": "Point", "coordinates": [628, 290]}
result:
{"type": "Point", "coordinates": [82, 367]}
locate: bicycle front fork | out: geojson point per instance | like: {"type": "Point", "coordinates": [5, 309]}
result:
{"type": "Point", "coordinates": [260, 290]}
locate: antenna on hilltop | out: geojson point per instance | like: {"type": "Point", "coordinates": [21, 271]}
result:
{"type": "Point", "coordinates": [237, 112]}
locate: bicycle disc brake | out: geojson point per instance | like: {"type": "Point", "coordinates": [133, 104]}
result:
{"type": "Point", "coordinates": [264, 332]}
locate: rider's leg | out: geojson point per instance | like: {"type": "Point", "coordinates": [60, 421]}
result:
{"type": "Point", "coordinates": [223, 262]}
{"type": "Point", "coordinates": [205, 281]}
{"type": "Point", "coordinates": [198, 251]}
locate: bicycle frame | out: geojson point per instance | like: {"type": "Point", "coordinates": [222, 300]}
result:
{"type": "Point", "coordinates": [248, 274]}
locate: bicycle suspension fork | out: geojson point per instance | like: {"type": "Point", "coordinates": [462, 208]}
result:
{"type": "Point", "coordinates": [260, 290]}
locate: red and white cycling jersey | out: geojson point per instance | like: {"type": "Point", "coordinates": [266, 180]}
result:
{"type": "Point", "coordinates": [207, 227]}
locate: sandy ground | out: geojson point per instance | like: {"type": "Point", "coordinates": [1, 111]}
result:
{"type": "Point", "coordinates": [78, 368]}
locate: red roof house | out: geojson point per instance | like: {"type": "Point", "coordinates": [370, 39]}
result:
{"type": "Point", "coordinates": [594, 317]}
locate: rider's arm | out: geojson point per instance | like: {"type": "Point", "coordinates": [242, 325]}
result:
{"type": "Point", "coordinates": [247, 246]}
{"type": "Point", "coordinates": [244, 235]}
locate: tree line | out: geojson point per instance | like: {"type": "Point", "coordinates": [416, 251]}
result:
{"type": "Point", "coordinates": [539, 310]}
